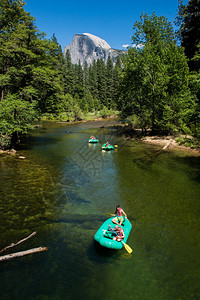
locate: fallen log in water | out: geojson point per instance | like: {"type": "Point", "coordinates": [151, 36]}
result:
{"type": "Point", "coordinates": [167, 145]}
{"type": "Point", "coordinates": [22, 253]}
{"type": "Point", "coordinates": [21, 241]}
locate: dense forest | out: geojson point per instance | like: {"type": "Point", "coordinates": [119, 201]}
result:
{"type": "Point", "coordinates": [155, 85]}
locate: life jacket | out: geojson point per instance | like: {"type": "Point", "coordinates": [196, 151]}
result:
{"type": "Point", "coordinates": [120, 233]}
{"type": "Point", "coordinates": [119, 212]}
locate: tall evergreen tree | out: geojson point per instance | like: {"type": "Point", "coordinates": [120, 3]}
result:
{"type": "Point", "coordinates": [101, 78]}
{"type": "Point", "coordinates": [189, 32]}
{"type": "Point", "coordinates": [154, 79]}
{"type": "Point", "coordinates": [78, 81]}
{"type": "Point", "coordinates": [152, 29]}
{"type": "Point", "coordinates": [116, 80]}
{"type": "Point", "coordinates": [93, 79]}
{"type": "Point", "coordinates": [69, 75]}
{"type": "Point", "coordinates": [28, 77]}
{"type": "Point", "coordinates": [85, 77]}
{"type": "Point", "coordinates": [110, 82]}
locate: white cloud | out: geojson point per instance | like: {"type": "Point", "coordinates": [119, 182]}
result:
{"type": "Point", "coordinates": [138, 46]}
{"type": "Point", "coordinates": [125, 46]}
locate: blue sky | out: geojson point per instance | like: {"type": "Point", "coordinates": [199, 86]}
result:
{"type": "Point", "coordinates": [110, 20]}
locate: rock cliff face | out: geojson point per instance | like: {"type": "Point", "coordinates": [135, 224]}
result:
{"type": "Point", "coordinates": [88, 47]}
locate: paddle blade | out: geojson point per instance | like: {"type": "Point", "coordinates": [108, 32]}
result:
{"type": "Point", "coordinates": [112, 215]}
{"type": "Point", "coordinates": [128, 248]}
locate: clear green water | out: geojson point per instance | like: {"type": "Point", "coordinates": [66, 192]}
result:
{"type": "Point", "coordinates": [63, 189]}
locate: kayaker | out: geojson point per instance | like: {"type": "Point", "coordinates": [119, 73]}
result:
{"type": "Point", "coordinates": [119, 212]}
{"type": "Point", "coordinates": [107, 144]}
{"type": "Point", "coordinates": [92, 137]}
{"type": "Point", "coordinates": [120, 234]}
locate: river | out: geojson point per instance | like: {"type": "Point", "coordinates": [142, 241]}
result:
{"type": "Point", "coordinates": [63, 189]}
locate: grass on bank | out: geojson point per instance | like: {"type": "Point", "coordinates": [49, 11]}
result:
{"type": "Point", "coordinates": [80, 116]}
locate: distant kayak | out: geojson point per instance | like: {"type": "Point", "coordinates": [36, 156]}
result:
{"type": "Point", "coordinates": [93, 141]}
{"type": "Point", "coordinates": [105, 237]}
{"type": "Point", "coordinates": [109, 147]}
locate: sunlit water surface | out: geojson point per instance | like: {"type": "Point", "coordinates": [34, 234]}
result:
{"type": "Point", "coordinates": [63, 189]}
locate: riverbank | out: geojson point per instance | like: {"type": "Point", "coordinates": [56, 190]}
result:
{"type": "Point", "coordinates": [165, 142]}
{"type": "Point", "coordinates": [170, 143]}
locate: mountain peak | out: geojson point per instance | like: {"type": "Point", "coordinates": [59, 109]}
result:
{"type": "Point", "coordinates": [98, 41]}
{"type": "Point", "coordinates": [88, 47]}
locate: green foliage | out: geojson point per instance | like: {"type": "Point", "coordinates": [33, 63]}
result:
{"type": "Point", "coordinates": [132, 121]}
{"type": "Point", "coordinates": [101, 81]}
{"type": "Point", "coordinates": [16, 117]}
{"type": "Point", "coordinates": [48, 117]}
{"type": "Point", "coordinates": [78, 81]}
{"type": "Point", "coordinates": [69, 74]}
{"type": "Point", "coordinates": [5, 141]}
{"type": "Point", "coordinates": [151, 84]}
{"type": "Point", "coordinates": [154, 85]}
{"type": "Point", "coordinates": [189, 31]}
{"type": "Point", "coordinates": [105, 112]}
{"type": "Point", "coordinates": [152, 29]}
{"type": "Point", "coordinates": [31, 70]}
{"type": "Point", "coordinates": [191, 142]}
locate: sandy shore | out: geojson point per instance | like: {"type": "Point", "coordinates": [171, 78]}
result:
{"type": "Point", "coordinates": [169, 143]}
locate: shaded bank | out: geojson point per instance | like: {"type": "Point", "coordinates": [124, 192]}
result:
{"type": "Point", "coordinates": [127, 133]}
{"type": "Point", "coordinates": [165, 141]}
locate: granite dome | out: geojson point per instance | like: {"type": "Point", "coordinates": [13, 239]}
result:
{"type": "Point", "coordinates": [88, 47]}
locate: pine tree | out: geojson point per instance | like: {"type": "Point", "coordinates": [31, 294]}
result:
{"type": "Point", "coordinates": [101, 78]}
{"type": "Point", "coordinates": [69, 75]}
{"type": "Point", "coordinates": [154, 87]}
{"type": "Point", "coordinates": [116, 81]}
{"type": "Point", "coordinates": [189, 32]}
{"type": "Point", "coordinates": [85, 78]}
{"type": "Point", "coordinates": [93, 80]}
{"type": "Point", "coordinates": [30, 72]}
{"type": "Point", "coordinates": [78, 81]}
{"type": "Point", "coordinates": [110, 83]}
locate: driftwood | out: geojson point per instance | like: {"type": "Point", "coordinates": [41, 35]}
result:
{"type": "Point", "coordinates": [22, 253]}
{"type": "Point", "coordinates": [21, 241]}
{"type": "Point", "coordinates": [167, 145]}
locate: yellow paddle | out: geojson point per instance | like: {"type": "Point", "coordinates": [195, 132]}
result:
{"type": "Point", "coordinates": [112, 215]}
{"type": "Point", "coordinates": [127, 247]}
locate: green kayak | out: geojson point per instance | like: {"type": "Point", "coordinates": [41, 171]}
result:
{"type": "Point", "coordinates": [105, 237]}
{"type": "Point", "coordinates": [107, 148]}
{"type": "Point", "coordinates": [93, 141]}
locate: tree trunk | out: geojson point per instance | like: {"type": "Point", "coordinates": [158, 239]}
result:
{"type": "Point", "coordinates": [167, 145]}
{"type": "Point", "coordinates": [21, 241]}
{"type": "Point", "coordinates": [22, 253]}
{"type": "Point", "coordinates": [2, 94]}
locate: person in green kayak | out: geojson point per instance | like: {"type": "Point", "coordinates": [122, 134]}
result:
{"type": "Point", "coordinates": [119, 216]}
{"type": "Point", "coordinates": [92, 137]}
{"type": "Point", "coordinates": [107, 144]}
